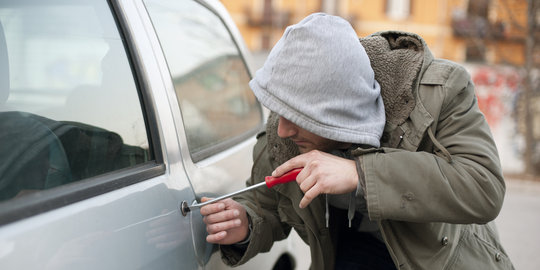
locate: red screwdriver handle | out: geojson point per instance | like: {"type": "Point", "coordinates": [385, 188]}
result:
{"type": "Point", "coordinates": [286, 178]}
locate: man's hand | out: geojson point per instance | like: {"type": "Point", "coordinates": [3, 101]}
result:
{"type": "Point", "coordinates": [323, 173]}
{"type": "Point", "coordinates": [226, 222]}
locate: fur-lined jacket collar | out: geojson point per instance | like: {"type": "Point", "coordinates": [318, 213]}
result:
{"type": "Point", "coordinates": [397, 59]}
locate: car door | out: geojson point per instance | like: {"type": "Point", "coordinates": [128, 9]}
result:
{"type": "Point", "coordinates": [220, 116]}
{"type": "Point", "coordinates": [91, 174]}
{"type": "Point", "coordinates": [216, 114]}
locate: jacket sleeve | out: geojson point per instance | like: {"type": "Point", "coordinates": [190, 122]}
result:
{"type": "Point", "coordinates": [465, 187]}
{"type": "Point", "coordinates": [261, 206]}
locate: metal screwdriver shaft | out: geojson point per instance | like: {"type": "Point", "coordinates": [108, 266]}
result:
{"type": "Point", "coordinates": [199, 205]}
{"type": "Point", "coordinates": [269, 181]}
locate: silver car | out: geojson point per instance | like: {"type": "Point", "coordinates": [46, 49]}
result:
{"type": "Point", "coordinates": [113, 113]}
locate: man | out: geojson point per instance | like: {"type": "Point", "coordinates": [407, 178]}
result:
{"type": "Point", "coordinates": [422, 199]}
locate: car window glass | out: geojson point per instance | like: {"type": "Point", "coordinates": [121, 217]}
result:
{"type": "Point", "coordinates": [69, 106]}
{"type": "Point", "coordinates": [209, 75]}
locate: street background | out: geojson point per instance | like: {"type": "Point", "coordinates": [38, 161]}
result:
{"type": "Point", "coordinates": [498, 43]}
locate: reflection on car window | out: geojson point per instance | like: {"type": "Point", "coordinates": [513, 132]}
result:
{"type": "Point", "coordinates": [69, 107]}
{"type": "Point", "coordinates": [209, 75]}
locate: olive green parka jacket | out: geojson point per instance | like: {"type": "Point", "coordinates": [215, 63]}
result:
{"type": "Point", "coordinates": [434, 186]}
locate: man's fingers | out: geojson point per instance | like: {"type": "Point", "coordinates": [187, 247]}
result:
{"type": "Point", "coordinates": [223, 226]}
{"type": "Point", "coordinates": [291, 164]}
{"type": "Point", "coordinates": [221, 216]}
{"type": "Point", "coordinates": [226, 222]}
{"type": "Point", "coordinates": [306, 184]}
{"type": "Point", "coordinates": [216, 238]}
{"type": "Point", "coordinates": [309, 196]}
{"type": "Point", "coordinates": [212, 208]}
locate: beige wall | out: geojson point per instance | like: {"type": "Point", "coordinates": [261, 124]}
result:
{"type": "Point", "coordinates": [431, 19]}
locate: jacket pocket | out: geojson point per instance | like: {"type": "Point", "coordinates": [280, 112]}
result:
{"type": "Point", "coordinates": [477, 251]}
{"type": "Point", "coordinates": [288, 215]}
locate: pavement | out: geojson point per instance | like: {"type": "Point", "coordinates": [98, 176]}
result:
{"type": "Point", "coordinates": [519, 223]}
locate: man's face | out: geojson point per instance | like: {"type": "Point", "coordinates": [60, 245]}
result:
{"type": "Point", "coordinates": [306, 140]}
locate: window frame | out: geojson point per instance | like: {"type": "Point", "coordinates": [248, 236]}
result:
{"type": "Point", "coordinates": [229, 143]}
{"type": "Point", "coordinates": [222, 146]}
{"type": "Point", "coordinates": [46, 200]}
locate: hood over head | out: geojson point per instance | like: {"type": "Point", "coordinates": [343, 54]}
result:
{"type": "Point", "coordinates": [319, 76]}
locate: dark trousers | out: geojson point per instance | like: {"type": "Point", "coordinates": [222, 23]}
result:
{"type": "Point", "coordinates": [360, 250]}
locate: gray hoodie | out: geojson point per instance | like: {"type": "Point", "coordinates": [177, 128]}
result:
{"type": "Point", "coordinates": [319, 76]}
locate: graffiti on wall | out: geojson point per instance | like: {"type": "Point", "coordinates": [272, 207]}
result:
{"type": "Point", "coordinates": [496, 89]}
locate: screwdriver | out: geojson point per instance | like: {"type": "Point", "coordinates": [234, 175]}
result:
{"type": "Point", "coordinates": [269, 181]}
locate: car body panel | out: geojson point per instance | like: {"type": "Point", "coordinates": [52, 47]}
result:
{"type": "Point", "coordinates": [94, 234]}
{"type": "Point", "coordinates": [136, 224]}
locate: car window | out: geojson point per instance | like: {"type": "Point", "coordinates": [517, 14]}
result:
{"type": "Point", "coordinates": [69, 105]}
{"type": "Point", "coordinates": [209, 75]}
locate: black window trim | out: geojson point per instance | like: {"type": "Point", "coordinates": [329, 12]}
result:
{"type": "Point", "coordinates": [148, 109]}
{"type": "Point", "coordinates": [46, 200]}
{"type": "Point", "coordinates": [50, 199]}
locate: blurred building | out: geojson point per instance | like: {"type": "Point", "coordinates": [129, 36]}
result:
{"type": "Point", "coordinates": [497, 40]}
{"type": "Point", "coordinates": [489, 31]}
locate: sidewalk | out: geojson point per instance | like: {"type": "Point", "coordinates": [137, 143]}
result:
{"type": "Point", "coordinates": [519, 223]}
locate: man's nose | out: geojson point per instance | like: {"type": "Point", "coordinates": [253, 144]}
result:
{"type": "Point", "coordinates": [286, 128]}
